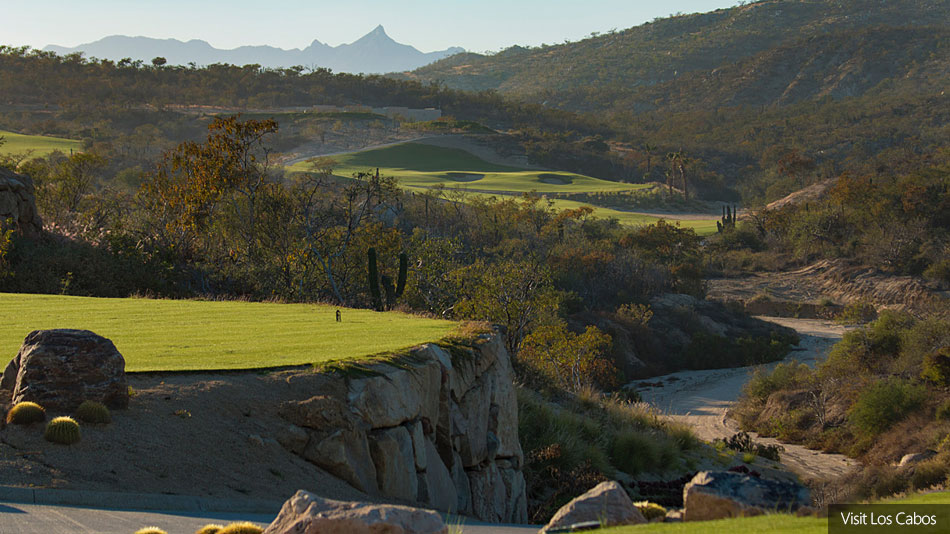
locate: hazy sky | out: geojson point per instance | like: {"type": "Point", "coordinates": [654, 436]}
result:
{"type": "Point", "coordinates": [477, 25]}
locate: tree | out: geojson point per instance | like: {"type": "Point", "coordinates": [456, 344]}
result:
{"type": "Point", "coordinates": [649, 149]}
{"type": "Point", "coordinates": [159, 62]}
{"type": "Point", "coordinates": [517, 295]}
{"type": "Point", "coordinates": [678, 162]}
{"type": "Point", "coordinates": [185, 195]}
{"type": "Point", "coordinates": [797, 166]}
{"type": "Point", "coordinates": [573, 360]}
{"type": "Point", "coordinates": [67, 182]}
{"type": "Point", "coordinates": [330, 220]}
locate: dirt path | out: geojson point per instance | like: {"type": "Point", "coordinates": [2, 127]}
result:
{"type": "Point", "coordinates": [702, 398]}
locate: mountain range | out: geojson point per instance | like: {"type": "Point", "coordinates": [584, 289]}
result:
{"type": "Point", "coordinates": [761, 53]}
{"type": "Point", "coordinates": [375, 52]}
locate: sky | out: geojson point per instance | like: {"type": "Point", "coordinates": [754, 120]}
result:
{"type": "Point", "coordinates": [429, 25]}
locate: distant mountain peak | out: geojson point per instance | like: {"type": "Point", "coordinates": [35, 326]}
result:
{"type": "Point", "coordinates": [375, 52]}
{"type": "Point", "coordinates": [378, 35]}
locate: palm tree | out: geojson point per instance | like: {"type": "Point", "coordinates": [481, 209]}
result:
{"type": "Point", "coordinates": [649, 149]}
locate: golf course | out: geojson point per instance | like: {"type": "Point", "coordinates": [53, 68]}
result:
{"type": "Point", "coordinates": [193, 335]}
{"type": "Point", "coordinates": [422, 166]}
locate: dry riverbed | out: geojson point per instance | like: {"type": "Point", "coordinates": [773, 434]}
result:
{"type": "Point", "coordinates": [702, 399]}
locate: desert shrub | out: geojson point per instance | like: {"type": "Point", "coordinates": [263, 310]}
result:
{"type": "Point", "coordinates": [650, 510]}
{"type": "Point", "coordinates": [939, 271]}
{"type": "Point", "coordinates": [888, 482]}
{"type": "Point", "coordinates": [572, 360]}
{"type": "Point", "coordinates": [742, 442]}
{"type": "Point", "coordinates": [634, 451]}
{"type": "Point", "coordinates": [936, 367]}
{"type": "Point", "coordinates": [93, 412]}
{"type": "Point", "coordinates": [857, 313]}
{"type": "Point", "coordinates": [24, 413]}
{"type": "Point", "coordinates": [785, 376]}
{"type": "Point", "coordinates": [872, 349]}
{"type": "Point", "coordinates": [943, 411]}
{"type": "Point", "coordinates": [929, 473]}
{"type": "Point", "coordinates": [542, 424]}
{"type": "Point", "coordinates": [209, 529]}
{"type": "Point", "coordinates": [62, 430]}
{"type": "Point", "coordinates": [884, 403]}
{"type": "Point", "coordinates": [578, 441]}
{"type": "Point", "coordinates": [241, 528]}
{"type": "Point", "coordinates": [150, 530]}
{"type": "Point", "coordinates": [637, 314]}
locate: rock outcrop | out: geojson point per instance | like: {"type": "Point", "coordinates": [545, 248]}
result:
{"type": "Point", "coordinates": [59, 369]}
{"type": "Point", "coordinates": [439, 429]}
{"type": "Point", "coordinates": [18, 203]}
{"type": "Point", "coordinates": [306, 513]}
{"type": "Point", "coordinates": [721, 494]}
{"type": "Point", "coordinates": [607, 504]}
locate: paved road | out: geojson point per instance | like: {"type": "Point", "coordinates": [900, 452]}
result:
{"type": "Point", "coordinates": [16, 518]}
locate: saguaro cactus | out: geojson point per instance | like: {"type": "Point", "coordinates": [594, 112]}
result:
{"type": "Point", "coordinates": [374, 280]}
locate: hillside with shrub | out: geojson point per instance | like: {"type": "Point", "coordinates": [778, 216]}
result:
{"type": "Point", "coordinates": [635, 59]}
{"type": "Point", "coordinates": [848, 85]}
{"type": "Point", "coordinates": [881, 394]}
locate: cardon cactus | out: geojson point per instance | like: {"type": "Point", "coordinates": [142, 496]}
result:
{"type": "Point", "coordinates": [63, 430]}
{"type": "Point", "coordinates": [93, 412]}
{"type": "Point", "coordinates": [25, 413]}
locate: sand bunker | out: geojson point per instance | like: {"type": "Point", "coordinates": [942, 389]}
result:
{"type": "Point", "coordinates": [555, 179]}
{"type": "Point", "coordinates": [464, 176]}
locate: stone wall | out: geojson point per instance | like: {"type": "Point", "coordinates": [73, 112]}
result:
{"type": "Point", "coordinates": [18, 204]}
{"type": "Point", "coordinates": [439, 428]}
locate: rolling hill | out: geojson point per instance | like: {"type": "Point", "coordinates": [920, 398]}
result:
{"type": "Point", "coordinates": [848, 47]}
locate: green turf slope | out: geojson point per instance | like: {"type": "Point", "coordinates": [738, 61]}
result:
{"type": "Point", "coordinates": [189, 335]}
{"type": "Point", "coordinates": [15, 143]}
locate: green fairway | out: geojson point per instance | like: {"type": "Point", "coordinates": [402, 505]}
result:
{"type": "Point", "coordinates": [772, 524]}
{"type": "Point", "coordinates": [188, 335]}
{"type": "Point", "coordinates": [421, 166]}
{"type": "Point", "coordinates": [40, 145]}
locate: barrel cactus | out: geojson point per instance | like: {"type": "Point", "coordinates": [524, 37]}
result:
{"type": "Point", "coordinates": [63, 430]}
{"type": "Point", "coordinates": [24, 413]}
{"type": "Point", "coordinates": [241, 528]}
{"type": "Point", "coordinates": [93, 412]}
{"type": "Point", "coordinates": [210, 529]}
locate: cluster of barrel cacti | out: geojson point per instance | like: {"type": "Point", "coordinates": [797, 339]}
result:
{"type": "Point", "coordinates": [728, 219]}
{"type": "Point", "coordinates": [243, 527]}
{"type": "Point", "coordinates": [393, 291]}
{"type": "Point", "coordinates": [63, 430]}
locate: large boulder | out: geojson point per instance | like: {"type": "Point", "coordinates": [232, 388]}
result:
{"type": "Point", "coordinates": [18, 203]}
{"type": "Point", "coordinates": [721, 494]}
{"type": "Point", "coordinates": [395, 463]}
{"type": "Point", "coordinates": [306, 513]}
{"type": "Point", "coordinates": [607, 503]}
{"type": "Point", "coordinates": [59, 369]}
{"type": "Point", "coordinates": [345, 454]}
